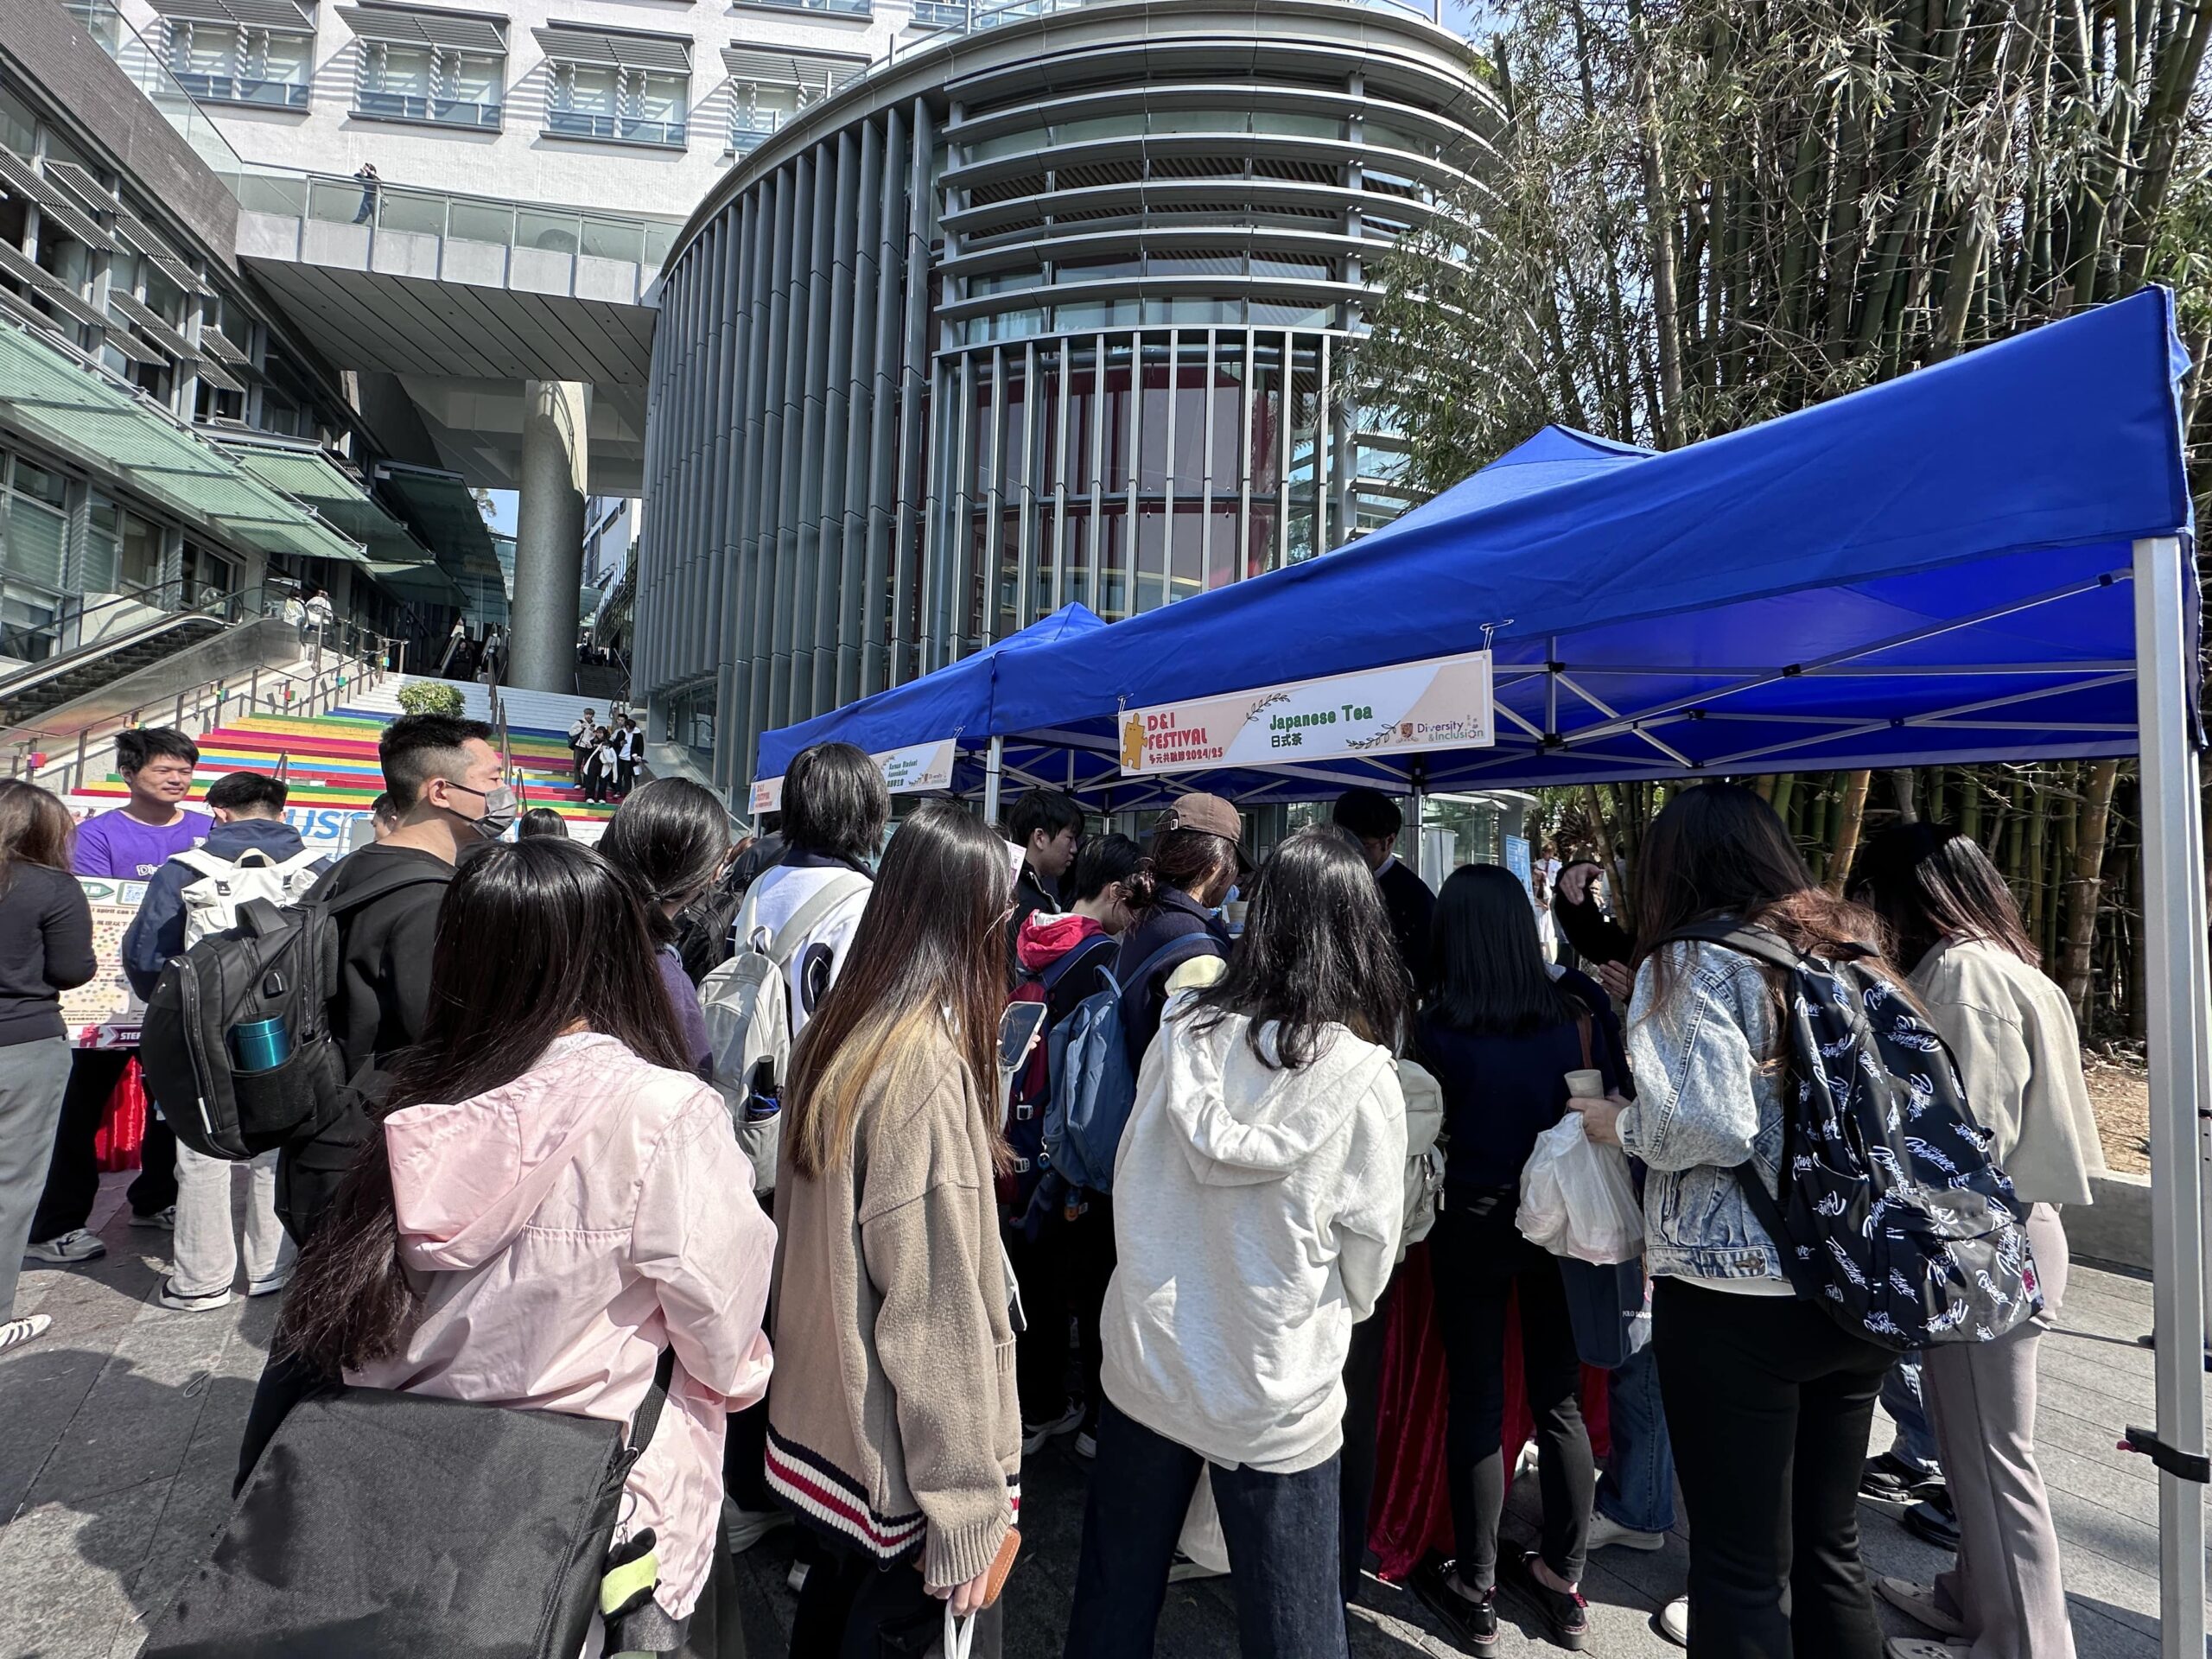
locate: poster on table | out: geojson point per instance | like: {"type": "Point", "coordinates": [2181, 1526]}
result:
{"type": "Point", "coordinates": [1441, 704]}
{"type": "Point", "coordinates": [912, 769]}
{"type": "Point", "coordinates": [105, 1012]}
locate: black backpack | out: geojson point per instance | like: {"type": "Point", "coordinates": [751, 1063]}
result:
{"type": "Point", "coordinates": [277, 963]}
{"type": "Point", "coordinates": [1892, 1216]}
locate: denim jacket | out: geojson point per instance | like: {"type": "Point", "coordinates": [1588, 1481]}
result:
{"type": "Point", "coordinates": [1705, 1104]}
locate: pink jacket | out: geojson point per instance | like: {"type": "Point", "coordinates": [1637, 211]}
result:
{"type": "Point", "coordinates": [569, 1226]}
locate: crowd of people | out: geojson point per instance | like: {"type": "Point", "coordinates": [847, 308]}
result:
{"type": "Point", "coordinates": [870, 1291]}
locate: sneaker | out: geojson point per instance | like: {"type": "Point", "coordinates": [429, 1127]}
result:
{"type": "Point", "coordinates": [1471, 1620]}
{"type": "Point", "coordinates": [1917, 1602]}
{"type": "Point", "coordinates": [1673, 1621]}
{"type": "Point", "coordinates": [1564, 1611]}
{"type": "Point", "coordinates": [175, 1299]}
{"type": "Point", "coordinates": [1033, 1436]}
{"type": "Point", "coordinates": [268, 1287]}
{"type": "Point", "coordinates": [76, 1245]}
{"type": "Point", "coordinates": [1526, 1463]}
{"type": "Point", "coordinates": [1086, 1444]}
{"type": "Point", "coordinates": [1889, 1479]}
{"type": "Point", "coordinates": [1932, 1522]}
{"type": "Point", "coordinates": [1605, 1532]}
{"type": "Point", "coordinates": [797, 1577]}
{"type": "Point", "coordinates": [1182, 1569]}
{"type": "Point", "coordinates": [14, 1333]}
{"type": "Point", "coordinates": [164, 1218]}
{"type": "Point", "coordinates": [748, 1527]}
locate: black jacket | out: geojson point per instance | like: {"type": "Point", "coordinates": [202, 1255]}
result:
{"type": "Point", "coordinates": [1177, 916]}
{"type": "Point", "coordinates": [46, 948]}
{"type": "Point", "coordinates": [384, 949]}
{"type": "Point", "coordinates": [1412, 909]}
{"type": "Point", "coordinates": [1030, 896]}
{"type": "Point", "coordinates": [1595, 938]}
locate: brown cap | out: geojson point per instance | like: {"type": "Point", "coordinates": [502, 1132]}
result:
{"type": "Point", "coordinates": [1210, 814]}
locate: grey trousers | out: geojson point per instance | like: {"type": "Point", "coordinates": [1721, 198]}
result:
{"type": "Point", "coordinates": [204, 1253]}
{"type": "Point", "coordinates": [1981, 1397]}
{"type": "Point", "coordinates": [32, 1078]}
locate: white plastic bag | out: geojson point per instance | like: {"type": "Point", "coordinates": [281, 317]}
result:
{"type": "Point", "coordinates": [1577, 1198]}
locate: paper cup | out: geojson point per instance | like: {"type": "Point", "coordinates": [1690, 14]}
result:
{"type": "Point", "coordinates": [1586, 1085]}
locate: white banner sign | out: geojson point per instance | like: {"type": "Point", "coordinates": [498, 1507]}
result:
{"type": "Point", "coordinates": [911, 771]}
{"type": "Point", "coordinates": [1442, 703]}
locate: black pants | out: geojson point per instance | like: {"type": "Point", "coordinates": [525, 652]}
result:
{"type": "Point", "coordinates": [1479, 1258]}
{"type": "Point", "coordinates": [745, 1458]}
{"type": "Point", "coordinates": [1769, 1402]}
{"type": "Point", "coordinates": [72, 1174]}
{"type": "Point", "coordinates": [853, 1607]}
{"type": "Point", "coordinates": [1281, 1531]}
{"type": "Point", "coordinates": [1363, 1404]}
{"type": "Point", "coordinates": [1063, 1276]}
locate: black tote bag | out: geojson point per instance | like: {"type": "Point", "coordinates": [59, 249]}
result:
{"type": "Point", "coordinates": [380, 1525]}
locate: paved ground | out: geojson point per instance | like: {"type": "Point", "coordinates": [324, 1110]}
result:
{"type": "Point", "coordinates": [119, 1432]}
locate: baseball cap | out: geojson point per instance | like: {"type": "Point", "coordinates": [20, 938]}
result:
{"type": "Point", "coordinates": [1213, 815]}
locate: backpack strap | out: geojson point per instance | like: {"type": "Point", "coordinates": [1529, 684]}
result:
{"type": "Point", "coordinates": [207, 863]}
{"type": "Point", "coordinates": [810, 915]}
{"type": "Point", "coordinates": [648, 1418]}
{"type": "Point", "coordinates": [1052, 975]}
{"type": "Point", "coordinates": [1769, 948]}
{"type": "Point", "coordinates": [1173, 948]}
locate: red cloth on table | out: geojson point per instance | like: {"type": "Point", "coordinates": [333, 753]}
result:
{"type": "Point", "coordinates": [122, 1131]}
{"type": "Point", "coordinates": [1411, 1513]}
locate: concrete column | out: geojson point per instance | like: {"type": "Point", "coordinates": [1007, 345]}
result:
{"type": "Point", "coordinates": [548, 536]}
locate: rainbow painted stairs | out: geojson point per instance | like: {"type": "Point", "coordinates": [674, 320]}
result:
{"type": "Point", "coordinates": [330, 762]}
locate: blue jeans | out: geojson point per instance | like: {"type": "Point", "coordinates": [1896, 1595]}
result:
{"type": "Point", "coordinates": [1638, 1488]}
{"type": "Point", "coordinates": [1281, 1531]}
{"type": "Point", "coordinates": [1901, 1398]}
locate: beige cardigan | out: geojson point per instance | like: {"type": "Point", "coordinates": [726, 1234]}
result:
{"type": "Point", "coordinates": [2019, 1059]}
{"type": "Point", "coordinates": [893, 1421]}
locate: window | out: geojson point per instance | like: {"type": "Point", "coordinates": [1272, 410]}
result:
{"type": "Point", "coordinates": [616, 84]}
{"type": "Point", "coordinates": [36, 536]}
{"type": "Point", "coordinates": [768, 88]}
{"type": "Point", "coordinates": [223, 63]}
{"type": "Point", "coordinates": [427, 83]}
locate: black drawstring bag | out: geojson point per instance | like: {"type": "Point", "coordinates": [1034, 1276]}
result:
{"type": "Point", "coordinates": [380, 1525]}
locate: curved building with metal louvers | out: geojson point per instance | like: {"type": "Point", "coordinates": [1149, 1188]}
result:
{"type": "Point", "coordinates": [1053, 308]}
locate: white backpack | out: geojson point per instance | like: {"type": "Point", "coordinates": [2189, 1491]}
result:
{"type": "Point", "coordinates": [211, 904]}
{"type": "Point", "coordinates": [1424, 1156]}
{"type": "Point", "coordinates": [748, 1005]}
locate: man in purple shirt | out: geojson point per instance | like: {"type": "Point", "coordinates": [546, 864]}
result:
{"type": "Point", "coordinates": [128, 844]}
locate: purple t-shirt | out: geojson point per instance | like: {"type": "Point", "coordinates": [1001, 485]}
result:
{"type": "Point", "coordinates": [117, 844]}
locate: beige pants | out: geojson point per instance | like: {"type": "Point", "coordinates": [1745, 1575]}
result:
{"type": "Point", "coordinates": [1981, 1399]}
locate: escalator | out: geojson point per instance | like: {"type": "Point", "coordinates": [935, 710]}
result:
{"type": "Point", "coordinates": [41, 688]}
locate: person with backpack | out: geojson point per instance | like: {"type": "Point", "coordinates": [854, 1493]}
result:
{"type": "Point", "coordinates": [550, 1202]}
{"type": "Point", "coordinates": [251, 853]}
{"type": "Point", "coordinates": [1500, 1035]}
{"type": "Point", "coordinates": [1060, 1239]}
{"type": "Point", "coordinates": [1197, 850]}
{"type": "Point", "coordinates": [2011, 1033]}
{"type": "Point", "coordinates": [1047, 826]}
{"type": "Point", "coordinates": [670, 840]}
{"type": "Point", "coordinates": [895, 1430]}
{"type": "Point", "coordinates": [46, 948]}
{"type": "Point", "coordinates": [1259, 1196]}
{"type": "Point", "coordinates": [1769, 1397]}
{"type": "Point", "coordinates": [582, 738]}
{"type": "Point", "coordinates": [128, 844]}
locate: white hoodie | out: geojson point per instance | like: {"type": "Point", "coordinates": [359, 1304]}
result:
{"type": "Point", "coordinates": [1256, 1216]}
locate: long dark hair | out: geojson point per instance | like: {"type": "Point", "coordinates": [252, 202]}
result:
{"type": "Point", "coordinates": [1718, 850]}
{"type": "Point", "coordinates": [1930, 882]}
{"type": "Point", "coordinates": [1192, 861]}
{"type": "Point", "coordinates": [669, 839]}
{"type": "Point", "coordinates": [929, 954]}
{"type": "Point", "coordinates": [34, 828]}
{"type": "Point", "coordinates": [1489, 963]}
{"type": "Point", "coordinates": [1316, 951]}
{"type": "Point", "coordinates": [534, 940]}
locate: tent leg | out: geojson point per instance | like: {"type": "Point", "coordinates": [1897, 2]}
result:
{"type": "Point", "coordinates": [994, 766]}
{"type": "Point", "coordinates": [2174, 953]}
{"type": "Point", "coordinates": [1419, 805]}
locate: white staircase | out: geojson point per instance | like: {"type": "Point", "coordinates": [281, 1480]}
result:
{"type": "Point", "coordinates": [527, 711]}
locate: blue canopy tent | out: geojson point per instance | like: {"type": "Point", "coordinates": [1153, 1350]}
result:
{"type": "Point", "coordinates": [1988, 560]}
{"type": "Point", "coordinates": [953, 702]}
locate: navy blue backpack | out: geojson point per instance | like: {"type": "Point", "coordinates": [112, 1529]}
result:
{"type": "Point", "coordinates": [1094, 1087]}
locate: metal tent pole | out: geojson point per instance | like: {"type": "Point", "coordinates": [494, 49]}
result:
{"type": "Point", "coordinates": [2175, 956]}
{"type": "Point", "coordinates": [994, 765]}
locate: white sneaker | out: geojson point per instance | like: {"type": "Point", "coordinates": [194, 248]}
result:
{"type": "Point", "coordinates": [1526, 1463]}
{"type": "Point", "coordinates": [76, 1245]}
{"type": "Point", "coordinates": [14, 1333]}
{"type": "Point", "coordinates": [1182, 1569]}
{"type": "Point", "coordinates": [268, 1287]}
{"type": "Point", "coordinates": [1917, 1602]}
{"type": "Point", "coordinates": [164, 1218]}
{"type": "Point", "coordinates": [1033, 1436]}
{"type": "Point", "coordinates": [1605, 1532]}
{"type": "Point", "coordinates": [177, 1302]}
{"type": "Point", "coordinates": [1086, 1444]}
{"type": "Point", "coordinates": [1673, 1621]}
{"type": "Point", "coordinates": [748, 1527]}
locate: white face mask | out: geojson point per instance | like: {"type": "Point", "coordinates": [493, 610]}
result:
{"type": "Point", "coordinates": [499, 812]}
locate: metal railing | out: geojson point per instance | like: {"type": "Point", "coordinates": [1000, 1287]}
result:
{"type": "Point", "coordinates": [71, 643]}
{"type": "Point", "coordinates": [63, 760]}
{"type": "Point", "coordinates": [245, 89]}
{"type": "Point", "coordinates": [439, 112]}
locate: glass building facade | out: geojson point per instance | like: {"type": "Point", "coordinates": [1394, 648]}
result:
{"type": "Point", "coordinates": [1060, 310]}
